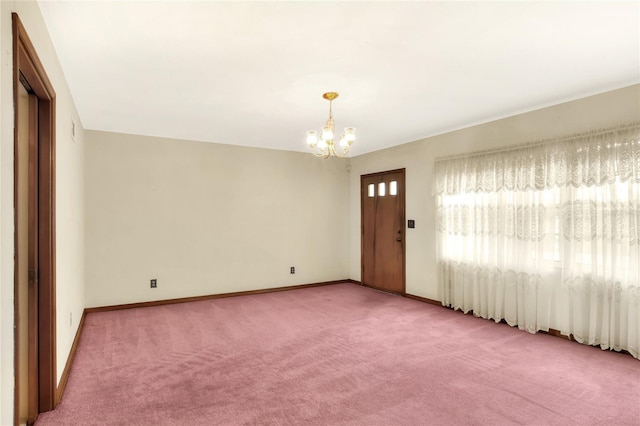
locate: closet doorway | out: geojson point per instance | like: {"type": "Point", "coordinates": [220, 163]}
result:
{"type": "Point", "coordinates": [34, 237]}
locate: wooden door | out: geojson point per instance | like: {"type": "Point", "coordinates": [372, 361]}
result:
{"type": "Point", "coordinates": [27, 255]}
{"type": "Point", "coordinates": [383, 246]}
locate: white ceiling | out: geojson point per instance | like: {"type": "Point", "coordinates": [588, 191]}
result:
{"type": "Point", "coordinates": [253, 73]}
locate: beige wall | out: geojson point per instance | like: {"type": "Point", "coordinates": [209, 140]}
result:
{"type": "Point", "coordinates": [206, 218]}
{"type": "Point", "coordinates": [70, 201]}
{"type": "Point", "coordinates": [595, 112]}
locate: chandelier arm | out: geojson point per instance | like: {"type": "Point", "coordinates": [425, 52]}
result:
{"type": "Point", "coordinates": [341, 154]}
{"type": "Point", "coordinates": [321, 152]}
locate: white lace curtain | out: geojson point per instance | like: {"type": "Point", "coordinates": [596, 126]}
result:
{"type": "Point", "coordinates": [546, 236]}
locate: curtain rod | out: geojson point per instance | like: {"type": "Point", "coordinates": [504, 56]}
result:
{"type": "Point", "coordinates": [540, 142]}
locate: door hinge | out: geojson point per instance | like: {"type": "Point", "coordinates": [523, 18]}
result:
{"type": "Point", "coordinates": [33, 276]}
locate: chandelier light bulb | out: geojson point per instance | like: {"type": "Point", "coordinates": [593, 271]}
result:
{"type": "Point", "coordinates": [312, 138]}
{"type": "Point", "coordinates": [327, 133]}
{"type": "Point", "coordinates": [322, 144]}
{"type": "Point", "coordinates": [350, 134]}
{"type": "Point", "coordinates": [343, 142]}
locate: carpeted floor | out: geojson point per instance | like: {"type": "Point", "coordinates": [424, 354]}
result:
{"type": "Point", "coordinates": [335, 355]}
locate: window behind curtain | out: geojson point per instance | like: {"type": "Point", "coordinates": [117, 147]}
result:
{"type": "Point", "coordinates": [546, 235]}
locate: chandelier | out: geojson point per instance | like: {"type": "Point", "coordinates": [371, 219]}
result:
{"type": "Point", "coordinates": [324, 146]}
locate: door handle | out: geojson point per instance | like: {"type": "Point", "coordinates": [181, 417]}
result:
{"type": "Point", "coordinates": [399, 237]}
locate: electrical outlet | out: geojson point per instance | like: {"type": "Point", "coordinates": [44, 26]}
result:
{"type": "Point", "coordinates": [154, 283]}
{"type": "Point", "coordinates": [293, 269]}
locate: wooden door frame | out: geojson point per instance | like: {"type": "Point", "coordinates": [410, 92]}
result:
{"type": "Point", "coordinates": [404, 217]}
{"type": "Point", "coordinates": [28, 70]}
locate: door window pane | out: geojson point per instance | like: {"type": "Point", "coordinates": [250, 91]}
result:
{"type": "Point", "coordinates": [371, 190]}
{"type": "Point", "coordinates": [393, 188]}
{"type": "Point", "coordinates": [382, 189]}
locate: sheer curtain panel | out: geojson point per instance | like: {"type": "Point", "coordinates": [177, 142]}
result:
{"type": "Point", "coordinates": [546, 235]}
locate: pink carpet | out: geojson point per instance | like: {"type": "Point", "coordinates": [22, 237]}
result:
{"type": "Point", "coordinates": [335, 355]}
